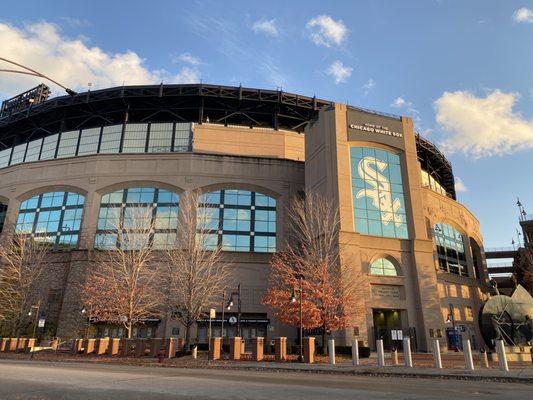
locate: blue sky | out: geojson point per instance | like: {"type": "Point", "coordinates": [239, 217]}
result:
{"type": "Point", "coordinates": [461, 69]}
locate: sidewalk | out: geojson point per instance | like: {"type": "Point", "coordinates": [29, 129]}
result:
{"type": "Point", "coordinates": [513, 375]}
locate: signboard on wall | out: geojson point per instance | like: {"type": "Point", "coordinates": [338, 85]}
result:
{"type": "Point", "coordinates": [386, 291]}
{"type": "Point", "coordinates": [365, 126]}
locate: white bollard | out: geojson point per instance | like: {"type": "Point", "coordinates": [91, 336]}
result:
{"type": "Point", "coordinates": [437, 361]}
{"type": "Point", "coordinates": [408, 358]}
{"type": "Point", "coordinates": [195, 352]}
{"type": "Point", "coordinates": [468, 355]}
{"type": "Point", "coordinates": [355, 352]}
{"type": "Point", "coordinates": [502, 357]}
{"type": "Point", "coordinates": [381, 353]}
{"type": "Point", "coordinates": [331, 351]}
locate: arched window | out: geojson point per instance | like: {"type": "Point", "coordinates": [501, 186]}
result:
{"type": "Point", "coordinates": [53, 217]}
{"type": "Point", "coordinates": [240, 220]}
{"type": "Point", "coordinates": [382, 266]}
{"type": "Point", "coordinates": [118, 210]}
{"type": "Point", "coordinates": [450, 249]}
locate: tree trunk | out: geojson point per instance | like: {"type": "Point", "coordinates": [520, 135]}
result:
{"type": "Point", "coordinates": [324, 340]}
{"type": "Point", "coordinates": [187, 336]}
{"type": "Point", "coordinates": [129, 329]}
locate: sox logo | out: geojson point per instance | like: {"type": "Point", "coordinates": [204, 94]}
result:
{"type": "Point", "coordinates": [380, 192]}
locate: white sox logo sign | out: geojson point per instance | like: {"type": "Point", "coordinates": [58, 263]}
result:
{"type": "Point", "coordinates": [381, 189]}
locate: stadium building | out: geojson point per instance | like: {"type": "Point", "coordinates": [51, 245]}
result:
{"type": "Point", "coordinates": [66, 162]}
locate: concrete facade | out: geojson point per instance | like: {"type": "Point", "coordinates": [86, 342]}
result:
{"type": "Point", "coordinates": [279, 164]}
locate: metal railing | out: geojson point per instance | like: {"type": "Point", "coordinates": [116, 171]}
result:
{"type": "Point", "coordinates": [499, 249]}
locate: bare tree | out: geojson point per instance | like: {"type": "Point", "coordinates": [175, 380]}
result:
{"type": "Point", "coordinates": [196, 274]}
{"type": "Point", "coordinates": [22, 260]}
{"type": "Point", "coordinates": [124, 286]}
{"type": "Point", "coordinates": [312, 262]}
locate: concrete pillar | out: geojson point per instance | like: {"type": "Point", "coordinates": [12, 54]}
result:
{"type": "Point", "coordinates": [3, 344]}
{"type": "Point", "coordinates": [194, 352]}
{"type": "Point", "coordinates": [331, 351]}
{"type": "Point", "coordinates": [235, 348]}
{"type": "Point", "coordinates": [12, 345]}
{"type": "Point", "coordinates": [257, 348]}
{"type": "Point", "coordinates": [408, 358]}
{"type": "Point", "coordinates": [101, 346]}
{"type": "Point", "coordinates": [309, 350]}
{"type": "Point", "coordinates": [89, 346]}
{"type": "Point", "coordinates": [280, 345]}
{"type": "Point", "coordinates": [484, 359]}
{"type": "Point", "coordinates": [30, 345]}
{"type": "Point", "coordinates": [170, 347]}
{"type": "Point", "coordinates": [381, 353]}
{"type": "Point", "coordinates": [502, 357]}
{"type": "Point", "coordinates": [214, 348]}
{"type": "Point", "coordinates": [114, 347]}
{"type": "Point", "coordinates": [468, 355]}
{"type": "Point", "coordinates": [355, 352]}
{"type": "Point", "coordinates": [437, 361]}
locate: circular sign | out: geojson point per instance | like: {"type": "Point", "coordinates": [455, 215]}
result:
{"type": "Point", "coordinates": [232, 320]}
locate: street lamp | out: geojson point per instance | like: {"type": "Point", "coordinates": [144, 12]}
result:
{"type": "Point", "coordinates": [293, 300]}
{"type": "Point", "coordinates": [33, 72]}
{"type": "Point", "coordinates": [37, 307]}
{"type": "Point", "coordinates": [230, 304]}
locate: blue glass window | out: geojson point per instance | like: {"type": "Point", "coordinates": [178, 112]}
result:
{"type": "Point", "coordinates": [378, 195]}
{"type": "Point", "coordinates": [124, 208]}
{"type": "Point", "coordinates": [54, 217]}
{"type": "Point", "coordinates": [450, 249]}
{"type": "Point", "coordinates": [239, 220]}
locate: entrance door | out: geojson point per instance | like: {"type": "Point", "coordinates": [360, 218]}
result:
{"type": "Point", "coordinates": [388, 327]}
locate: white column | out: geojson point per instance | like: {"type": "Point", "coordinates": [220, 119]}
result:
{"type": "Point", "coordinates": [502, 357]}
{"type": "Point", "coordinates": [408, 359]}
{"type": "Point", "coordinates": [468, 355]}
{"type": "Point", "coordinates": [331, 351]}
{"type": "Point", "coordinates": [355, 352]}
{"type": "Point", "coordinates": [381, 354]}
{"type": "Point", "coordinates": [437, 361]}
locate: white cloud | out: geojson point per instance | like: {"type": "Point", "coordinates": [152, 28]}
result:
{"type": "Point", "coordinates": [339, 71]}
{"type": "Point", "coordinates": [369, 86]}
{"type": "Point", "coordinates": [188, 58]}
{"type": "Point", "coordinates": [482, 126]}
{"type": "Point", "coordinates": [325, 31]}
{"type": "Point", "coordinates": [400, 102]}
{"type": "Point", "coordinates": [523, 15]}
{"type": "Point", "coordinates": [267, 27]}
{"type": "Point", "coordinates": [73, 62]}
{"type": "Point", "coordinates": [459, 185]}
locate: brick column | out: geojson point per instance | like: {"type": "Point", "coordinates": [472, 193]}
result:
{"type": "Point", "coordinates": [309, 349]}
{"type": "Point", "coordinates": [170, 347]}
{"type": "Point", "coordinates": [89, 346]}
{"type": "Point", "coordinates": [3, 344]}
{"type": "Point", "coordinates": [281, 348]}
{"type": "Point", "coordinates": [30, 345]}
{"type": "Point", "coordinates": [12, 345]}
{"type": "Point", "coordinates": [139, 347]}
{"type": "Point", "coordinates": [155, 347]}
{"type": "Point", "coordinates": [125, 351]}
{"type": "Point", "coordinates": [257, 348]}
{"type": "Point", "coordinates": [214, 350]}
{"type": "Point", "coordinates": [101, 346]}
{"type": "Point", "coordinates": [113, 348]}
{"type": "Point", "coordinates": [21, 344]}
{"type": "Point", "coordinates": [235, 348]}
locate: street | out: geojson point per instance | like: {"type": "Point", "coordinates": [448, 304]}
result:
{"type": "Point", "coordinates": [24, 380]}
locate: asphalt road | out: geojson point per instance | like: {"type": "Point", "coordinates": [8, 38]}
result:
{"type": "Point", "coordinates": [22, 380]}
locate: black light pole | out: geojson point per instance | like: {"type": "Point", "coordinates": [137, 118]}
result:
{"type": "Point", "coordinates": [37, 307]}
{"type": "Point", "coordinates": [32, 72]}
{"type": "Point", "coordinates": [293, 300]}
{"type": "Point", "coordinates": [230, 304]}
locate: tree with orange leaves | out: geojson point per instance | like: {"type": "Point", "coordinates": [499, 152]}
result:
{"type": "Point", "coordinates": [312, 263]}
